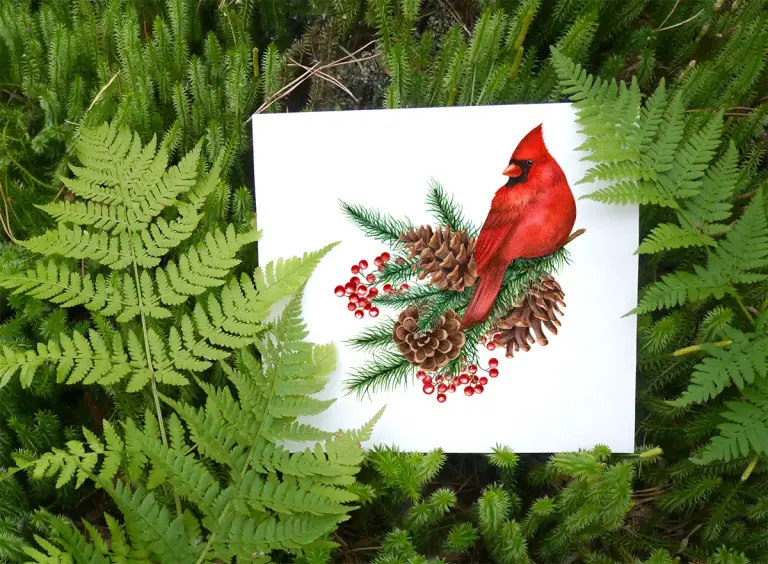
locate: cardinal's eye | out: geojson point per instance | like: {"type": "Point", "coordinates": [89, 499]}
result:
{"type": "Point", "coordinates": [529, 163]}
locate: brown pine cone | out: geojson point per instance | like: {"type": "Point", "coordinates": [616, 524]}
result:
{"type": "Point", "coordinates": [538, 309]}
{"type": "Point", "coordinates": [433, 349]}
{"type": "Point", "coordinates": [446, 256]}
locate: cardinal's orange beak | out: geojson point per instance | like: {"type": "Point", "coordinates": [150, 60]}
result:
{"type": "Point", "coordinates": [512, 170]}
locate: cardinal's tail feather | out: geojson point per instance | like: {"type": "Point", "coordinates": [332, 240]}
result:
{"type": "Point", "coordinates": [480, 305]}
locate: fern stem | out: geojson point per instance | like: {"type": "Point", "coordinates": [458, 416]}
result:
{"type": "Point", "coordinates": [696, 348]}
{"type": "Point", "coordinates": [749, 469]}
{"type": "Point", "coordinates": [743, 308]}
{"type": "Point", "coordinates": [145, 334]}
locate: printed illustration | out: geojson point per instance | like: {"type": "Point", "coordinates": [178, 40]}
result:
{"type": "Point", "coordinates": [453, 288]}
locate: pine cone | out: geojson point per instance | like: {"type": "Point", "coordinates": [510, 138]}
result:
{"type": "Point", "coordinates": [446, 256]}
{"type": "Point", "coordinates": [537, 310]}
{"type": "Point", "coordinates": [434, 349]}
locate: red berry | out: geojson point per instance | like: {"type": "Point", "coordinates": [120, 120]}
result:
{"type": "Point", "coordinates": [497, 336]}
{"type": "Point", "coordinates": [451, 388]}
{"type": "Point", "coordinates": [428, 389]}
{"type": "Point", "coordinates": [361, 303]}
{"type": "Point", "coordinates": [472, 368]}
{"type": "Point", "coordinates": [373, 312]}
{"type": "Point", "coordinates": [355, 269]}
{"type": "Point", "coordinates": [359, 314]}
{"type": "Point", "coordinates": [367, 305]}
{"type": "Point", "coordinates": [382, 266]}
{"type": "Point", "coordinates": [469, 390]}
{"type": "Point", "coordinates": [493, 363]}
{"type": "Point", "coordinates": [373, 292]}
{"type": "Point", "coordinates": [351, 306]}
{"type": "Point", "coordinates": [387, 288]}
{"type": "Point", "coordinates": [404, 287]}
{"type": "Point", "coordinates": [493, 372]}
{"type": "Point", "coordinates": [490, 346]}
{"type": "Point", "coordinates": [370, 278]}
{"type": "Point", "coordinates": [339, 291]}
{"type": "Point", "coordinates": [354, 298]}
{"type": "Point", "coordinates": [441, 398]}
{"type": "Point", "coordinates": [362, 290]}
{"type": "Point", "coordinates": [463, 379]}
{"type": "Point", "coordinates": [363, 264]}
{"type": "Point", "coordinates": [483, 380]}
{"type": "Point", "coordinates": [354, 280]}
{"type": "Point", "coordinates": [474, 379]}
{"type": "Point", "coordinates": [349, 288]}
{"type": "Point", "coordinates": [441, 388]}
{"type": "Point", "coordinates": [427, 379]}
{"type": "Point", "coordinates": [377, 261]}
{"type": "Point", "coordinates": [420, 374]}
{"type": "Point", "coordinates": [385, 257]}
{"type": "Point", "coordinates": [479, 389]}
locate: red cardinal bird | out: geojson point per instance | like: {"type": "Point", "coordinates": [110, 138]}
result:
{"type": "Point", "coordinates": [531, 216]}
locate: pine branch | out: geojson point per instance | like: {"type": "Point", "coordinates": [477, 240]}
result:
{"type": "Point", "coordinates": [375, 338]}
{"type": "Point", "coordinates": [376, 224]}
{"type": "Point", "coordinates": [446, 211]}
{"type": "Point", "coordinates": [387, 371]}
{"type": "Point", "coordinates": [397, 271]}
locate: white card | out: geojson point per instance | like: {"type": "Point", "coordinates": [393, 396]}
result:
{"type": "Point", "coordinates": [576, 392]}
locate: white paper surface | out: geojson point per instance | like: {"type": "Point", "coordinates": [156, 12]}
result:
{"type": "Point", "coordinates": [574, 393]}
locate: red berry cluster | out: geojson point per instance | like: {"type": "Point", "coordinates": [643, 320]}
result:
{"type": "Point", "coordinates": [488, 340]}
{"type": "Point", "coordinates": [449, 383]}
{"type": "Point", "coordinates": [361, 292]}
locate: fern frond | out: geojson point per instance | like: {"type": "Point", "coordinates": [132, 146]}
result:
{"type": "Point", "coordinates": [668, 236]}
{"type": "Point", "coordinates": [744, 432]}
{"type": "Point", "coordinates": [203, 266]}
{"type": "Point", "coordinates": [77, 359]}
{"type": "Point", "coordinates": [692, 158]}
{"type": "Point", "coordinates": [283, 277]}
{"type": "Point", "coordinates": [111, 218]}
{"type": "Point", "coordinates": [739, 363]}
{"type": "Point", "coordinates": [745, 247]}
{"type": "Point", "coordinates": [681, 287]}
{"type": "Point", "coordinates": [117, 170]}
{"type": "Point", "coordinates": [115, 251]}
{"type": "Point", "coordinates": [189, 478]}
{"type": "Point", "coordinates": [710, 207]}
{"type": "Point", "coordinates": [149, 524]}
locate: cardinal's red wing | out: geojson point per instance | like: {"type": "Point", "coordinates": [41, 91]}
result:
{"type": "Point", "coordinates": [495, 231]}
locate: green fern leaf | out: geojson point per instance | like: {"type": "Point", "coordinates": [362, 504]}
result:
{"type": "Point", "coordinates": [668, 236]}
{"type": "Point", "coordinates": [745, 248]}
{"type": "Point", "coordinates": [744, 432]}
{"type": "Point", "coordinates": [202, 267]}
{"type": "Point", "coordinates": [77, 359]}
{"type": "Point", "coordinates": [189, 478]}
{"type": "Point", "coordinates": [94, 214]}
{"type": "Point", "coordinates": [681, 287]}
{"type": "Point", "coordinates": [692, 158]}
{"type": "Point", "coordinates": [740, 363]}
{"type": "Point", "coordinates": [149, 524]}
{"type": "Point", "coordinates": [710, 207]}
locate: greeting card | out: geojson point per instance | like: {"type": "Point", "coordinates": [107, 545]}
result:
{"type": "Point", "coordinates": [472, 291]}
